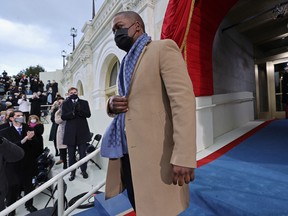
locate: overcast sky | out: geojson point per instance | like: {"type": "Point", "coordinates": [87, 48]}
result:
{"type": "Point", "coordinates": [35, 32]}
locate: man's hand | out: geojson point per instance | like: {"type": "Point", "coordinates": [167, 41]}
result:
{"type": "Point", "coordinates": [182, 175]}
{"type": "Point", "coordinates": [118, 104]}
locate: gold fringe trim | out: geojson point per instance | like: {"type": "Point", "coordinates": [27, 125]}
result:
{"type": "Point", "coordinates": [183, 45]}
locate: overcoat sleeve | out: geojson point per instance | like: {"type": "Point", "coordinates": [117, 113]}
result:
{"type": "Point", "coordinates": [179, 89]}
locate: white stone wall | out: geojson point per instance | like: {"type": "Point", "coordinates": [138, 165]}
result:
{"type": "Point", "coordinates": [52, 75]}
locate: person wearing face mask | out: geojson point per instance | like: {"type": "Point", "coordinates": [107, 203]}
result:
{"type": "Point", "coordinates": [50, 96]}
{"type": "Point", "coordinates": [154, 125]}
{"type": "Point", "coordinates": [12, 100]}
{"type": "Point", "coordinates": [20, 173]}
{"type": "Point", "coordinates": [75, 112]}
{"type": "Point", "coordinates": [36, 102]}
{"type": "Point", "coordinates": [35, 125]}
{"type": "Point", "coordinates": [60, 133]}
{"type": "Point", "coordinates": [54, 127]}
{"type": "Point", "coordinates": [28, 91]}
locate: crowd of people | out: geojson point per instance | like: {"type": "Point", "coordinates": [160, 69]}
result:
{"type": "Point", "coordinates": [22, 104]}
{"type": "Point", "coordinates": [19, 89]}
{"type": "Point", "coordinates": [23, 98]}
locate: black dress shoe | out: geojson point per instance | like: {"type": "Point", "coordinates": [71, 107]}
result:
{"type": "Point", "coordinates": [84, 174]}
{"type": "Point", "coordinates": [31, 208]}
{"type": "Point", "coordinates": [72, 176]}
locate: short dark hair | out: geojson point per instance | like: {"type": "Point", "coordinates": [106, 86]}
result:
{"type": "Point", "coordinates": [72, 88]}
{"type": "Point", "coordinates": [133, 16]}
{"type": "Point", "coordinates": [60, 98]}
{"type": "Point", "coordinates": [13, 113]}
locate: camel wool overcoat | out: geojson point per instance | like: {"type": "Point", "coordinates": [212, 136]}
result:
{"type": "Point", "coordinates": [160, 129]}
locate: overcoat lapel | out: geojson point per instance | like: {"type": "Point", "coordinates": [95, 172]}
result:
{"type": "Point", "coordinates": [137, 64]}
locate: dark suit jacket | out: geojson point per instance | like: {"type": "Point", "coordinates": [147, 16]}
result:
{"type": "Point", "coordinates": [27, 167]}
{"type": "Point", "coordinates": [9, 152]}
{"type": "Point", "coordinates": [4, 125]}
{"type": "Point", "coordinates": [76, 130]}
{"type": "Point", "coordinates": [38, 139]}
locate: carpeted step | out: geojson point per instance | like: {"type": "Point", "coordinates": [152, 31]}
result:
{"type": "Point", "coordinates": [118, 205]}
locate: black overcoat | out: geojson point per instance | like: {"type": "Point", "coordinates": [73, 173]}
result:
{"type": "Point", "coordinates": [76, 129]}
{"type": "Point", "coordinates": [9, 153]}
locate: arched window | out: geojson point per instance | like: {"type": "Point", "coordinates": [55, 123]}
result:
{"type": "Point", "coordinates": [113, 75]}
{"type": "Point", "coordinates": [111, 79]}
{"type": "Point", "coordinates": [80, 88]}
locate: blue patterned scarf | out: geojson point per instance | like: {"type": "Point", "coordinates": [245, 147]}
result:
{"type": "Point", "coordinates": [114, 143]}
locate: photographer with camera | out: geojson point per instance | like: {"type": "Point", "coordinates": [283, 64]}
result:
{"type": "Point", "coordinates": [36, 101]}
{"type": "Point", "coordinates": [24, 106]}
{"type": "Point", "coordinates": [75, 112]}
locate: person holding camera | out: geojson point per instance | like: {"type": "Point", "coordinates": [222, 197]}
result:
{"type": "Point", "coordinates": [24, 106]}
{"type": "Point", "coordinates": [36, 101]}
{"type": "Point", "coordinates": [75, 112]}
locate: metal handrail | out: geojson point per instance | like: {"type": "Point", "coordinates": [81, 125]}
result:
{"type": "Point", "coordinates": [59, 179]}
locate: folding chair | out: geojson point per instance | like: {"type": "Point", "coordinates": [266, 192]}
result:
{"type": "Point", "coordinates": [91, 148]}
{"type": "Point", "coordinates": [52, 210]}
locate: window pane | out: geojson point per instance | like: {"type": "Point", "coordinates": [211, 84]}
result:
{"type": "Point", "coordinates": [280, 77]}
{"type": "Point", "coordinates": [263, 88]}
{"type": "Point", "coordinates": [113, 76]}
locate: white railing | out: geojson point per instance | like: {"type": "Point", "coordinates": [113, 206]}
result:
{"type": "Point", "coordinates": [60, 189]}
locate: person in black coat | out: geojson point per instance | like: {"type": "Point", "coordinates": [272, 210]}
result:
{"type": "Point", "coordinates": [9, 153]}
{"type": "Point", "coordinates": [36, 102]}
{"type": "Point", "coordinates": [6, 122]}
{"type": "Point", "coordinates": [75, 112]}
{"type": "Point", "coordinates": [35, 125]}
{"type": "Point", "coordinates": [22, 172]}
{"type": "Point", "coordinates": [54, 86]}
{"type": "Point", "coordinates": [54, 127]}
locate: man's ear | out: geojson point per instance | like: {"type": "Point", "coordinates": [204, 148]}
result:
{"type": "Point", "coordinates": [138, 26]}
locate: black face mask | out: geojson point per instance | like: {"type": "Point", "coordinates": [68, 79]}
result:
{"type": "Point", "coordinates": [123, 40]}
{"type": "Point", "coordinates": [73, 96]}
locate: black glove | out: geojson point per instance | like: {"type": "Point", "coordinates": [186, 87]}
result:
{"type": "Point", "coordinates": [77, 107]}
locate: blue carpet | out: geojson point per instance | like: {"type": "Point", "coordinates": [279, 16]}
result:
{"type": "Point", "coordinates": [249, 180]}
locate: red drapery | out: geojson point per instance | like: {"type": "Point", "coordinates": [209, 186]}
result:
{"type": "Point", "coordinates": [192, 24]}
{"type": "Point", "coordinates": [177, 20]}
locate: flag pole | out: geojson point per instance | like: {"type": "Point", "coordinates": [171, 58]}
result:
{"type": "Point", "coordinates": [93, 9]}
